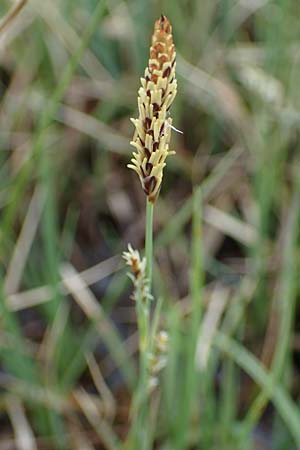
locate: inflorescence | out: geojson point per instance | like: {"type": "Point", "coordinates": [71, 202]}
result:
{"type": "Point", "coordinates": [153, 126]}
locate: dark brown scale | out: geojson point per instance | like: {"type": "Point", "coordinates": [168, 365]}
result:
{"type": "Point", "coordinates": [149, 184]}
{"type": "Point", "coordinates": [143, 172]}
{"type": "Point", "coordinates": [148, 154]}
{"type": "Point", "coordinates": [148, 93]}
{"type": "Point", "coordinates": [142, 142]}
{"type": "Point", "coordinates": [147, 123]}
{"type": "Point", "coordinates": [150, 133]}
{"type": "Point", "coordinates": [149, 167]}
{"type": "Point", "coordinates": [155, 146]}
{"type": "Point", "coordinates": [155, 107]}
{"type": "Point", "coordinates": [167, 72]}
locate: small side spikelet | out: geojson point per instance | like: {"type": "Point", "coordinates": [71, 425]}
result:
{"type": "Point", "coordinates": [158, 358]}
{"type": "Point", "coordinates": [138, 275]}
{"type": "Point", "coordinates": [153, 126]}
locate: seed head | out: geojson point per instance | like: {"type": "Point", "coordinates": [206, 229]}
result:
{"type": "Point", "coordinates": [153, 126]}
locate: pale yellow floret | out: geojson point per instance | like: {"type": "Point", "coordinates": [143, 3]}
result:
{"type": "Point", "coordinates": [141, 109]}
{"type": "Point", "coordinates": [156, 125]}
{"type": "Point", "coordinates": [133, 167]}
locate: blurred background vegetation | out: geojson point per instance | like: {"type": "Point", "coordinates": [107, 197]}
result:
{"type": "Point", "coordinates": [69, 75]}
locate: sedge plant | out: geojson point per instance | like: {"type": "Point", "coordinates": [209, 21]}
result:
{"type": "Point", "coordinates": [151, 142]}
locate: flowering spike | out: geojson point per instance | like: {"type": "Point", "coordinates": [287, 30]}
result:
{"type": "Point", "coordinates": [153, 126]}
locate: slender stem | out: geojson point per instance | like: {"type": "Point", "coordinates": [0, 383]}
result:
{"type": "Point", "coordinates": [149, 240]}
{"type": "Point", "coordinates": [149, 261]}
{"type": "Point", "coordinates": [140, 437]}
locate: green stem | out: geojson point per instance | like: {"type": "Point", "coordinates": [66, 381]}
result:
{"type": "Point", "coordinates": [140, 437]}
{"type": "Point", "coordinates": [149, 240]}
{"type": "Point", "coordinates": [144, 375]}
